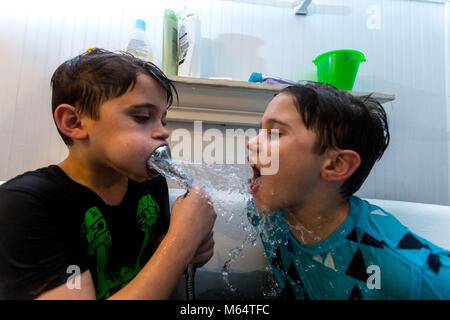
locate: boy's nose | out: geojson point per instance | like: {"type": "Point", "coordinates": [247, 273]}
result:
{"type": "Point", "coordinates": [252, 144]}
{"type": "Point", "coordinates": [160, 133]}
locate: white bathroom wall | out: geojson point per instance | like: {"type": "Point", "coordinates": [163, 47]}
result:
{"type": "Point", "coordinates": [447, 72]}
{"type": "Point", "coordinates": [404, 43]}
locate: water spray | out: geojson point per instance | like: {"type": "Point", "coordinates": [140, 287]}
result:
{"type": "Point", "coordinates": [161, 161]}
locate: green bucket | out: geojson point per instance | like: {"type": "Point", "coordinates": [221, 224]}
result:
{"type": "Point", "coordinates": [339, 68]}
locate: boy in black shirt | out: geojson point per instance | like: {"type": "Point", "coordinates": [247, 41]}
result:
{"type": "Point", "coordinates": [101, 213]}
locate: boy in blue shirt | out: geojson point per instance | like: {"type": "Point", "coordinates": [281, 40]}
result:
{"type": "Point", "coordinates": [322, 241]}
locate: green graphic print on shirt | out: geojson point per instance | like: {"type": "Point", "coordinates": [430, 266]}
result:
{"type": "Point", "coordinates": [98, 236]}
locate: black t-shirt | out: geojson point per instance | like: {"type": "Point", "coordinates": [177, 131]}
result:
{"type": "Point", "coordinates": [52, 227]}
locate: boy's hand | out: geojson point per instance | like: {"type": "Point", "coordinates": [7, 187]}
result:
{"type": "Point", "coordinates": [192, 220]}
{"type": "Point", "coordinates": [204, 252]}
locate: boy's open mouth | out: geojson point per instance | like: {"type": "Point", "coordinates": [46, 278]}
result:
{"type": "Point", "coordinates": [255, 181]}
{"type": "Point", "coordinates": [151, 173]}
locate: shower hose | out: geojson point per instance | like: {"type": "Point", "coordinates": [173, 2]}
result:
{"type": "Point", "coordinates": [190, 275]}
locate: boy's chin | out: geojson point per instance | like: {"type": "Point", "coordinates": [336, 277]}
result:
{"type": "Point", "coordinates": [265, 207]}
{"type": "Point", "coordinates": [139, 179]}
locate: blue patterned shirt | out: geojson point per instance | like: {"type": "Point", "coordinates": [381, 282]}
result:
{"type": "Point", "coordinates": [371, 255]}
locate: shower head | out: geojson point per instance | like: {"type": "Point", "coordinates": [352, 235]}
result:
{"type": "Point", "coordinates": [161, 161]}
{"type": "Point", "coordinates": [161, 153]}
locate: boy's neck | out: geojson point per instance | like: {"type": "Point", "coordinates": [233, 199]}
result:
{"type": "Point", "coordinates": [110, 186]}
{"type": "Point", "coordinates": [316, 220]}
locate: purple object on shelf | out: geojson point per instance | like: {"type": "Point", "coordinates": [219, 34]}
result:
{"type": "Point", "coordinates": [264, 78]}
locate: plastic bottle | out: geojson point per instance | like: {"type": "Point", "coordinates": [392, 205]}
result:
{"type": "Point", "coordinates": [188, 41]}
{"type": "Point", "coordinates": [170, 43]}
{"type": "Point", "coordinates": [138, 43]}
{"type": "Point", "coordinates": [265, 78]}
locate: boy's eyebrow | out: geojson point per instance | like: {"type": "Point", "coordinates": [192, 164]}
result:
{"type": "Point", "coordinates": [145, 105]}
{"type": "Point", "coordinates": [274, 120]}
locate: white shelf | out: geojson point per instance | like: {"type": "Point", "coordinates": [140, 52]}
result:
{"type": "Point", "coordinates": [228, 101]}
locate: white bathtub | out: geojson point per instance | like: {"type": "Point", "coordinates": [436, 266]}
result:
{"type": "Point", "coordinates": [248, 275]}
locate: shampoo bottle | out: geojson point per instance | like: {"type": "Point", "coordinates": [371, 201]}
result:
{"type": "Point", "coordinates": [138, 43]}
{"type": "Point", "coordinates": [188, 38]}
{"type": "Point", "coordinates": [170, 43]}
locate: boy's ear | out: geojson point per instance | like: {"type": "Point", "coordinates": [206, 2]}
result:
{"type": "Point", "coordinates": [68, 121]}
{"type": "Point", "coordinates": [340, 165]}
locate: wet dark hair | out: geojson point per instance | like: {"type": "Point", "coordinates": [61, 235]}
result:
{"type": "Point", "coordinates": [341, 120]}
{"type": "Point", "coordinates": [98, 75]}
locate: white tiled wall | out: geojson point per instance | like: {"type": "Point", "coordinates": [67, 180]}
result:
{"type": "Point", "coordinates": [447, 72]}
{"type": "Point", "coordinates": [404, 43]}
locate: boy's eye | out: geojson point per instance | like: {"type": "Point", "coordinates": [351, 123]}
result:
{"type": "Point", "coordinates": [141, 119]}
{"type": "Point", "coordinates": [271, 132]}
{"type": "Point", "coordinates": [164, 122]}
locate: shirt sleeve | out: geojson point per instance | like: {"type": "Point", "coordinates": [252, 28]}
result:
{"type": "Point", "coordinates": [38, 250]}
{"type": "Point", "coordinates": [436, 277]}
